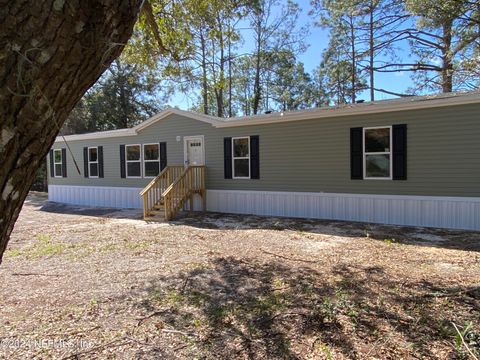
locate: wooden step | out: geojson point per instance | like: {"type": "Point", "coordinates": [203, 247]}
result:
{"type": "Point", "coordinates": [155, 215]}
{"type": "Point", "coordinates": [155, 218]}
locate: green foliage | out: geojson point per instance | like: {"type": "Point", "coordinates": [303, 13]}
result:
{"type": "Point", "coordinates": [291, 87]}
{"type": "Point", "coordinates": [40, 182]}
{"type": "Point", "coordinates": [445, 42]}
{"type": "Point", "coordinates": [466, 336]}
{"type": "Point", "coordinates": [125, 96]}
{"type": "Point", "coordinates": [194, 48]}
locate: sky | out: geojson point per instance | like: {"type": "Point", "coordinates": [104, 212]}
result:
{"type": "Point", "coordinates": [317, 39]}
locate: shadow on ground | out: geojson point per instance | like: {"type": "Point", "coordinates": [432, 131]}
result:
{"type": "Point", "coordinates": [450, 239]}
{"type": "Point", "coordinates": [239, 309]}
{"type": "Point", "coordinates": [444, 238]}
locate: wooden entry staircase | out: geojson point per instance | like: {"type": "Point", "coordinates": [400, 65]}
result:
{"type": "Point", "coordinates": [168, 193]}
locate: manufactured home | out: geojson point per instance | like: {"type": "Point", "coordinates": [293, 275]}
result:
{"type": "Point", "coordinates": [410, 161]}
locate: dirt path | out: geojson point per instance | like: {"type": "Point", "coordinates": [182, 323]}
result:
{"type": "Point", "coordinates": [100, 283]}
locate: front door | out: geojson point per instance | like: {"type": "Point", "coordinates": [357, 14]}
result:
{"type": "Point", "coordinates": [194, 152]}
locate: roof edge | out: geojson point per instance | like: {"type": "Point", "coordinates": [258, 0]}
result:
{"type": "Point", "coordinates": [136, 129]}
{"type": "Point", "coordinates": [416, 103]}
{"type": "Point", "coordinates": [382, 106]}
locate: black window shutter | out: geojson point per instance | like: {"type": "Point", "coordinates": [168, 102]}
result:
{"type": "Point", "coordinates": [52, 170]}
{"type": "Point", "coordinates": [254, 157]}
{"type": "Point", "coordinates": [122, 161]}
{"type": "Point", "coordinates": [163, 155]}
{"type": "Point", "coordinates": [399, 156]}
{"type": "Point", "coordinates": [227, 157]}
{"type": "Point", "coordinates": [85, 162]}
{"type": "Point", "coordinates": [100, 161]}
{"type": "Point", "coordinates": [356, 153]}
{"type": "Point", "coordinates": [64, 162]}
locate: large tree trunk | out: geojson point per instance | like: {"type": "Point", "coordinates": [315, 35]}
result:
{"type": "Point", "coordinates": [371, 51]}
{"type": "Point", "coordinates": [354, 63]}
{"type": "Point", "coordinates": [447, 62]}
{"type": "Point", "coordinates": [257, 91]}
{"type": "Point", "coordinates": [220, 87]}
{"type": "Point", "coordinates": [204, 73]}
{"type": "Point", "coordinates": [51, 52]}
{"type": "Point", "coordinates": [229, 71]}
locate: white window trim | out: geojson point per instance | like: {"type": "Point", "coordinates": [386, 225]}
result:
{"type": "Point", "coordinates": [92, 162]}
{"type": "Point", "coordinates": [240, 158]}
{"type": "Point", "coordinates": [145, 161]}
{"type": "Point", "coordinates": [377, 153]}
{"type": "Point", "coordinates": [56, 163]}
{"type": "Point", "coordinates": [133, 161]}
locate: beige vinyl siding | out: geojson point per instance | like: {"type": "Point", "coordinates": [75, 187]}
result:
{"type": "Point", "coordinates": [443, 153]}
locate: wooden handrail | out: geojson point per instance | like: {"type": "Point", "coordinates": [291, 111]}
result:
{"type": "Point", "coordinates": [152, 193]}
{"type": "Point", "coordinates": [154, 181]}
{"type": "Point", "coordinates": [167, 190]}
{"type": "Point", "coordinates": [191, 181]}
{"type": "Point", "coordinates": [172, 188]}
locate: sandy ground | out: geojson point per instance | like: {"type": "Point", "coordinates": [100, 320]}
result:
{"type": "Point", "coordinates": [99, 283]}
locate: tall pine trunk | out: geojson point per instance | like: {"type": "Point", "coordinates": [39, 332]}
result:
{"type": "Point", "coordinates": [230, 95]}
{"type": "Point", "coordinates": [51, 52]}
{"type": "Point", "coordinates": [354, 62]}
{"type": "Point", "coordinates": [257, 93]}
{"type": "Point", "coordinates": [371, 52]}
{"type": "Point", "coordinates": [204, 73]}
{"type": "Point", "coordinates": [447, 62]}
{"type": "Point", "coordinates": [220, 88]}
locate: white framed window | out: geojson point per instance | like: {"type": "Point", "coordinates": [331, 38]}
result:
{"type": "Point", "coordinates": [133, 159]}
{"type": "Point", "coordinates": [93, 162]}
{"type": "Point", "coordinates": [377, 153]}
{"type": "Point", "coordinates": [151, 160]}
{"type": "Point", "coordinates": [57, 163]}
{"type": "Point", "coordinates": [241, 157]}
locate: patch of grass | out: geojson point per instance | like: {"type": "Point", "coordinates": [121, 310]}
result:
{"type": "Point", "coordinates": [196, 266]}
{"type": "Point", "coordinates": [13, 253]}
{"type": "Point", "coordinates": [69, 312]}
{"type": "Point", "coordinates": [327, 310]}
{"type": "Point", "coordinates": [43, 247]}
{"type": "Point", "coordinates": [467, 337]}
{"type": "Point", "coordinates": [218, 313]}
{"type": "Point", "coordinates": [197, 323]}
{"type": "Point", "coordinates": [197, 298]}
{"type": "Point", "coordinates": [174, 297]}
{"type": "Point", "coordinates": [48, 249]}
{"type": "Point", "coordinates": [330, 307]}
{"type": "Point", "coordinates": [45, 238]}
{"type": "Point", "coordinates": [389, 241]}
{"type": "Point", "coordinates": [272, 302]}
{"type": "Point", "coordinates": [107, 247]}
{"type": "Point", "coordinates": [136, 244]}
{"type": "Point", "coordinates": [154, 295]}
{"type": "Point", "coordinates": [323, 349]}
{"type": "Point", "coordinates": [278, 283]}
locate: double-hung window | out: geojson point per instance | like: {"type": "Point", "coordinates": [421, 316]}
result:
{"type": "Point", "coordinates": [241, 157]}
{"type": "Point", "coordinates": [151, 160]}
{"type": "Point", "coordinates": [57, 163]}
{"type": "Point", "coordinates": [134, 160]}
{"type": "Point", "coordinates": [93, 162]}
{"type": "Point", "coordinates": [377, 153]}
